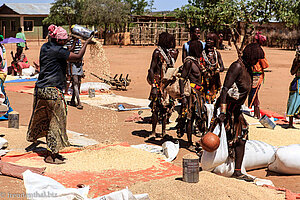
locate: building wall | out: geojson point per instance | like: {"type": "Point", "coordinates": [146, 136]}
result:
{"type": "Point", "coordinates": [37, 32]}
{"type": "Point", "coordinates": [7, 22]}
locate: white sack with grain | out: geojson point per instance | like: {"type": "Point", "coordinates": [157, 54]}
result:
{"type": "Point", "coordinates": [286, 160]}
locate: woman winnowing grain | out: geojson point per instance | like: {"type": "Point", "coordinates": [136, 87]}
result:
{"type": "Point", "coordinates": [48, 118]}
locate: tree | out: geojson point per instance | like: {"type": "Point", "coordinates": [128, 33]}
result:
{"type": "Point", "coordinates": [218, 15]}
{"type": "Point", "coordinates": [288, 11]}
{"type": "Point", "coordinates": [105, 12]}
{"type": "Point", "coordinates": [138, 7]}
{"type": "Point", "coordinates": [65, 12]}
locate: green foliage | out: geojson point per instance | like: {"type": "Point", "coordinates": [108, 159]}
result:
{"type": "Point", "coordinates": [98, 12]}
{"type": "Point", "coordinates": [288, 11]}
{"type": "Point", "coordinates": [213, 14]}
{"type": "Point", "coordinates": [65, 12]}
{"type": "Point", "coordinates": [139, 7]}
{"type": "Point", "coordinates": [210, 15]}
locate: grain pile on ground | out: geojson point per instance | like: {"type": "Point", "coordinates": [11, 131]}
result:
{"type": "Point", "coordinates": [108, 121]}
{"type": "Point", "coordinates": [109, 158]}
{"type": "Point", "coordinates": [98, 62]}
{"type": "Point", "coordinates": [278, 137]}
{"type": "Point", "coordinates": [210, 186]}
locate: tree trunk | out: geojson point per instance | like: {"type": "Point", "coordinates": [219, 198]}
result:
{"type": "Point", "coordinates": [105, 31]}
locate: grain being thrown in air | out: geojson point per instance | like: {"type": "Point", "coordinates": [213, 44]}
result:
{"type": "Point", "coordinates": [98, 62]}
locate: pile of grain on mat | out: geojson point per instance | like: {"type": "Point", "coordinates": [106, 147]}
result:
{"type": "Point", "coordinates": [97, 62]}
{"type": "Point", "coordinates": [109, 158]}
{"type": "Point", "coordinates": [210, 186]}
{"type": "Point", "coordinates": [277, 137]}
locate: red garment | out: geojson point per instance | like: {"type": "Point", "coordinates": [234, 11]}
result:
{"type": "Point", "coordinates": [260, 65]}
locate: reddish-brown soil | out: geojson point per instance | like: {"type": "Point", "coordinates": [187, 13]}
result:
{"type": "Point", "coordinates": [109, 125]}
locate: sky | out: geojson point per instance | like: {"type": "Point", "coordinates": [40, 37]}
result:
{"type": "Point", "coordinates": [160, 5]}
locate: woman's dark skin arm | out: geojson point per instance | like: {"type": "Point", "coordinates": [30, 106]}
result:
{"type": "Point", "coordinates": [75, 57]}
{"type": "Point", "coordinates": [184, 75]}
{"type": "Point", "coordinates": [233, 72]}
{"type": "Point", "coordinates": [153, 65]}
{"type": "Point", "coordinates": [184, 53]}
{"type": "Point", "coordinates": [295, 66]}
{"type": "Point", "coordinates": [220, 61]}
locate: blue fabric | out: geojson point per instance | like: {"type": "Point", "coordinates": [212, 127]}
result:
{"type": "Point", "coordinates": [293, 106]}
{"type": "Point", "coordinates": [21, 80]}
{"type": "Point", "coordinates": [187, 46]}
{"type": "Point", "coordinates": [6, 102]}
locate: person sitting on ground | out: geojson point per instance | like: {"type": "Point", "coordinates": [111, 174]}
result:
{"type": "Point", "coordinates": [192, 107]}
{"type": "Point", "coordinates": [195, 34]}
{"type": "Point", "coordinates": [293, 106]}
{"type": "Point", "coordinates": [238, 75]}
{"type": "Point", "coordinates": [21, 35]}
{"type": "Point", "coordinates": [213, 63]}
{"type": "Point", "coordinates": [258, 76]}
{"type": "Point", "coordinates": [163, 57]}
{"type": "Point", "coordinates": [49, 114]}
{"type": "Point", "coordinates": [75, 71]}
{"type": "Point", "coordinates": [19, 62]}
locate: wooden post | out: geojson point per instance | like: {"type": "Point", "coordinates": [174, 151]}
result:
{"type": "Point", "coordinates": [13, 119]}
{"type": "Point", "coordinates": [190, 164]}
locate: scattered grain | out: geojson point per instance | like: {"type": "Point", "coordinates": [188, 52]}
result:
{"type": "Point", "coordinates": [210, 186]}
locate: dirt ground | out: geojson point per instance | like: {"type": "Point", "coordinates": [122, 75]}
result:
{"type": "Point", "coordinates": [106, 125]}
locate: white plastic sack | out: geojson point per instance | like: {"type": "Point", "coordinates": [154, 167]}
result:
{"type": "Point", "coordinates": [3, 143]}
{"type": "Point", "coordinates": [210, 111]}
{"type": "Point", "coordinates": [170, 150]}
{"type": "Point", "coordinates": [124, 195]}
{"type": "Point", "coordinates": [96, 85]}
{"type": "Point", "coordinates": [40, 187]}
{"type": "Point", "coordinates": [257, 155]}
{"type": "Point", "coordinates": [286, 160]}
{"type": "Point", "coordinates": [28, 71]}
{"type": "Point", "coordinates": [211, 160]}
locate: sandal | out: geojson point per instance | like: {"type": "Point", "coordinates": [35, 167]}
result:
{"type": "Point", "coordinates": [49, 159]}
{"type": "Point", "coordinates": [79, 107]}
{"type": "Point", "coordinates": [245, 178]}
{"type": "Point", "coordinates": [71, 103]}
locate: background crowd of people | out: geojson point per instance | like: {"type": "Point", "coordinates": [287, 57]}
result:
{"type": "Point", "coordinates": [202, 65]}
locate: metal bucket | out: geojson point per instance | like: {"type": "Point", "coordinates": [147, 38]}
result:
{"type": "Point", "coordinates": [190, 164]}
{"type": "Point", "coordinates": [91, 92]}
{"type": "Point", "coordinates": [13, 119]}
{"type": "Point", "coordinates": [82, 31]}
{"type": "Point", "coordinates": [266, 122]}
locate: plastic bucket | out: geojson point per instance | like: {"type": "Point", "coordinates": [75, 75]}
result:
{"type": "Point", "coordinates": [266, 122]}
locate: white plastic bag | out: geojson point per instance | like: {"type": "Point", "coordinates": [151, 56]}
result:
{"type": "Point", "coordinates": [40, 187]}
{"type": "Point", "coordinates": [211, 160]}
{"type": "Point", "coordinates": [286, 160]}
{"type": "Point", "coordinates": [124, 195]}
{"type": "Point", "coordinates": [170, 150]}
{"type": "Point", "coordinates": [96, 85]}
{"type": "Point", "coordinates": [257, 155]}
{"type": "Point", "coordinates": [28, 71]}
{"type": "Point", "coordinates": [3, 143]}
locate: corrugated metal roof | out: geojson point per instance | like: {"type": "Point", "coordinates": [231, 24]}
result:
{"type": "Point", "coordinates": [30, 8]}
